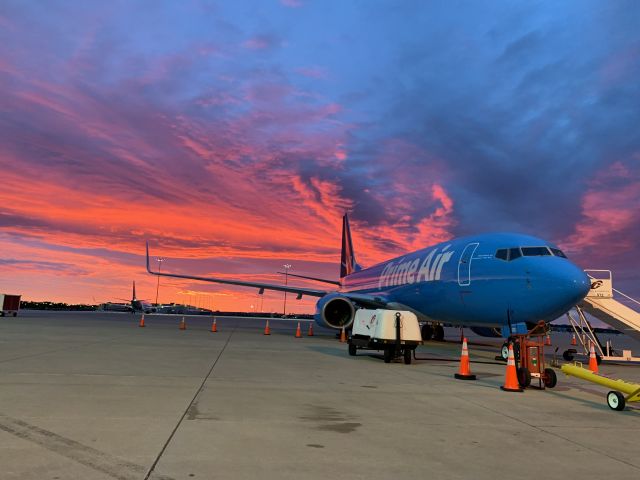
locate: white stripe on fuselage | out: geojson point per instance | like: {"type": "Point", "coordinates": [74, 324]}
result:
{"type": "Point", "coordinates": [414, 271]}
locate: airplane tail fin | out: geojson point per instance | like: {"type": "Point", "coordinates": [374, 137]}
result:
{"type": "Point", "coordinates": [133, 298]}
{"type": "Point", "coordinates": [348, 263]}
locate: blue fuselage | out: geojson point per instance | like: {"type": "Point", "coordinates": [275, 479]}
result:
{"type": "Point", "coordinates": [464, 282]}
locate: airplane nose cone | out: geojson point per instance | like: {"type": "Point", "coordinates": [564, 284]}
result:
{"type": "Point", "coordinates": [561, 288]}
{"type": "Point", "coordinates": [578, 284]}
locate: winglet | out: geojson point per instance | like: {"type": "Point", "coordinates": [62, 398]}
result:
{"type": "Point", "coordinates": [148, 268]}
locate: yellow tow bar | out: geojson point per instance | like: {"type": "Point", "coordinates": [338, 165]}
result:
{"type": "Point", "coordinates": [615, 398]}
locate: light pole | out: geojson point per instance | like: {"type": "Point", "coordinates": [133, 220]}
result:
{"type": "Point", "coordinates": [286, 274]}
{"type": "Point", "coordinates": [160, 260]}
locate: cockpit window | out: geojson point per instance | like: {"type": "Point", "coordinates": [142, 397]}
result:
{"type": "Point", "coordinates": [514, 253]}
{"type": "Point", "coordinates": [535, 251]}
{"type": "Point", "coordinates": [557, 252]}
{"type": "Point", "coordinates": [508, 254]}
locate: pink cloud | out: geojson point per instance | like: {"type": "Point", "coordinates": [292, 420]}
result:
{"type": "Point", "coordinates": [611, 214]}
{"type": "Point", "coordinates": [313, 72]}
{"type": "Point", "coordinates": [261, 42]}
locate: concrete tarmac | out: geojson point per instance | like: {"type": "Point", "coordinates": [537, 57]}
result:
{"type": "Point", "coordinates": [93, 396]}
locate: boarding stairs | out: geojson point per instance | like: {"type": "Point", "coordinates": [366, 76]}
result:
{"type": "Point", "coordinates": [600, 303]}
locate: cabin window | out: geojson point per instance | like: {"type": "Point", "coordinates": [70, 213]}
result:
{"type": "Point", "coordinates": [514, 253]}
{"type": "Point", "coordinates": [557, 252]}
{"type": "Point", "coordinates": [535, 251]}
{"type": "Point", "coordinates": [502, 254]}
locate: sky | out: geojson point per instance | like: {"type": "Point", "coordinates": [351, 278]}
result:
{"type": "Point", "coordinates": [233, 136]}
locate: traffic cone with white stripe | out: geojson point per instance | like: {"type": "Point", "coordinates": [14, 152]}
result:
{"type": "Point", "coordinates": [464, 373]}
{"type": "Point", "coordinates": [141, 321]}
{"type": "Point", "coordinates": [298, 331]}
{"type": "Point", "coordinates": [183, 325]}
{"type": "Point", "coordinates": [547, 341]}
{"type": "Point", "coordinates": [310, 332]}
{"type": "Point", "coordinates": [593, 362]}
{"type": "Point", "coordinates": [573, 340]}
{"type": "Point", "coordinates": [511, 383]}
{"type": "Point", "coordinates": [214, 325]}
{"type": "Point", "coordinates": [267, 330]}
{"type": "Point", "coordinates": [343, 336]}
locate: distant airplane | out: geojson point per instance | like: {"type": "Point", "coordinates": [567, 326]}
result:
{"type": "Point", "coordinates": [134, 304]}
{"type": "Point", "coordinates": [492, 283]}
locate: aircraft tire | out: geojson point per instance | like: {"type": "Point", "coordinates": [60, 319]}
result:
{"type": "Point", "coordinates": [352, 350]}
{"type": "Point", "coordinates": [504, 351]}
{"type": "Point", "coordinates": [426, 332]}
{"type": "Point", "coordinates": [407, 356]}
{"type": "Point", "coordinates": [438, 333]}
{"type": "Point", "coordinates": [615, 400]}
{"type": "Point", "coordinates": [567, 355]}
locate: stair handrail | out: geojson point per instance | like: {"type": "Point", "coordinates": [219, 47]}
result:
{"type": "Point", "coordinates": [626, 296]}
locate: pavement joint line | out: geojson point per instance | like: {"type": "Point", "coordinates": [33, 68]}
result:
{"type": "Point", "coordinates": [90, 457]}
{"type": "Point", "coordinates": [186, 411]}
{"type": "Point", "coordinates": [68, 347]}
{"type": "Point", "coordinates": [543, 430]}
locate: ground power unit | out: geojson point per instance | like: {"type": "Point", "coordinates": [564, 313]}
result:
{"type": "Point", "coordinates": [395, 332]}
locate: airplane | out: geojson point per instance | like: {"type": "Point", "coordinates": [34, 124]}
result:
{"type": "Point", "coordinates": [494, 283]}
{"type": "Point", "coordinates": [134, 304]}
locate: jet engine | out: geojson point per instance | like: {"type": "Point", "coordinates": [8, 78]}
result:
{"type": "Point", "coordinates": [335, 311]}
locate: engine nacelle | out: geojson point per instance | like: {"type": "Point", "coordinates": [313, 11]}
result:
{"type": "Point", "coordinates": [335, 311]}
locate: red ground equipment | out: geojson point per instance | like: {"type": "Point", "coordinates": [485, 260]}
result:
{"type": "Point", "coordinates": [529, 354]}
{"type": "Point", "coordinates": [9, 304]}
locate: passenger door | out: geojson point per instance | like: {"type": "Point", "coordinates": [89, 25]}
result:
{"type": "Point", "coordinates": [464, 264]}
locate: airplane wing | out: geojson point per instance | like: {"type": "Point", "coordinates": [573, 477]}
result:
{"type": "Point", "coordinates": [261, 286]}
{"type": "Point", "coordinates": [324, 280]}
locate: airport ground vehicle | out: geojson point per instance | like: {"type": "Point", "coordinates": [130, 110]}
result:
{"type": "Point", "coordinates": [529, 355]}
{"type": "Point", "coordinates": [395, 332]}
{"type": "Point", "coordinates": [9, 304]}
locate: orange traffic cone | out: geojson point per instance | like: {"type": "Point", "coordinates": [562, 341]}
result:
{"type": "Point", "coordinates": [573, 340]}
{"type": "Point", "coordinates": [141, 321]}
{"type": "Point", "coordinates": [310, 332]}
{"type": "Point", "coordinates": [593, 362]}
{"type": "Point", "coordinates": [465, 369]}
{"type": "Point", "coordinates": [214, 325]}
{"type": "Point", "coordinates": [267, 330]}
{"type": "Point", "coordinates": [343, 336]}
{"type": "Point", "coordinates": [547, 341]}
{"type": "Point", "coordinates": [183, 325]}
{"type": "Point", "coordinates": [511, 376]}
{"type": "Point", "coordinates": [298, 331]}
